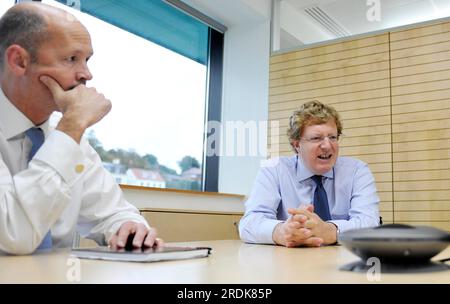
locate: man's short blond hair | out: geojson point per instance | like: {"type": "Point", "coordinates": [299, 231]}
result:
{"type": "Point", "coordinates": [311, 113]}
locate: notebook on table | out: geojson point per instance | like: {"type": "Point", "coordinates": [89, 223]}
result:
{"type": "Point", "coordinates": [152, 254]}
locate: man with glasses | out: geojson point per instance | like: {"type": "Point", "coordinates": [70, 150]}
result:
{"type": "Point", "coordinates": [309, 198]}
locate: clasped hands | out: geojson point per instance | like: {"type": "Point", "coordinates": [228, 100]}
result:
{"type": "Point", "coordinates": [304, 228]}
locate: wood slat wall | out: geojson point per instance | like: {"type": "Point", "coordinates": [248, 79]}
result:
{"type": "Point", "coordinates": [420, 81]}
{"type": "Point", "coordinates": [392, 91]}
{"type": "Point", "coordinates": [188, 226]}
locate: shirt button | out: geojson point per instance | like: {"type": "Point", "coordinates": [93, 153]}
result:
{"type": "Point", "coordinates": [79, 168]}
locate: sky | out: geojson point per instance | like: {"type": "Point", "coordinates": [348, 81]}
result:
{"type": "Point", "coordinates": [158, 96]}
{"type": "Point", "coordinates": [4, 5]}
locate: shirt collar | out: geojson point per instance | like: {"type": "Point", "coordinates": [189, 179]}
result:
{"type": "Point", "coordinates": [304, 173]}
{"type": "Point", "coordinates": [12, 121]}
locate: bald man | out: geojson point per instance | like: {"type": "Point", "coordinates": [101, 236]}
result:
{"type": "Point", "coordinates": [59, 187]}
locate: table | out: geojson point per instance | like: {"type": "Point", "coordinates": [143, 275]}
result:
{"type": "Point", "coordinates": [231, 261]}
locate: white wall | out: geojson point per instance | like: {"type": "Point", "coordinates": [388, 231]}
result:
{"type": "Point", "coordinates": [245, 79]}
{"type": "Point", "coordinates": [245, 98]}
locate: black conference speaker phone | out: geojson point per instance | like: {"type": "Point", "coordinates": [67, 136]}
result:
{"type": "Point", "coordinates": [399, 248]}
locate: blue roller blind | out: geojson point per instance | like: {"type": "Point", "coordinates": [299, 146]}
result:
{"type": "Point", "coordinates": [153, 20]}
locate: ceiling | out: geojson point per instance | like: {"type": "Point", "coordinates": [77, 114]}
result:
{"type": "Point", "coordinates": [304, 22]}
{"type": "Point", "coordinates": [233, 12]}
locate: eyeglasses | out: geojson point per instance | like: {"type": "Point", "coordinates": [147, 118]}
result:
{"type": "Point", "coordinates": [319, 139]}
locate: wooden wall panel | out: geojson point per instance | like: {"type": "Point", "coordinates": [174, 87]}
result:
{"type": "Point", "coordinates": [330, 48]}
{"type": "Point", "coordinates": [421, 125]}
{"type": "Point", "coordinates": [188, 226]}
{"type": "Point", "coordinates": [185, 226]}
{"type": "Point", "coordinates": [393, 92]}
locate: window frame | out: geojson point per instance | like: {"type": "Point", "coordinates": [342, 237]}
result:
{"type": "Point", "coordinates": [214, 109]}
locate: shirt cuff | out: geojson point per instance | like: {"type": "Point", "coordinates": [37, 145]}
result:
{"type": "Point", "coordinates": [65, 156]}
{"type": "Point", "coordinates": [342, 225]}
{"type": "Point", "coordinates": [267, 227]}
{"type": "Point", "coordinates": [337, 232]}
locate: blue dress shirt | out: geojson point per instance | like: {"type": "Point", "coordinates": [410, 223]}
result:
{"type": "Point", "coordinates": [285, 183]}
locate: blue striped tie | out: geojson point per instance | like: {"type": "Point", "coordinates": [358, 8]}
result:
{"type": "Point", "coordinates": [36, 135]}
{"type": "Point", "coordinates": [320, 199]}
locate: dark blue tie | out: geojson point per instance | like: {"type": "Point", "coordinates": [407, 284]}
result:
{"type": "Point", "coordinates": [320, 199]}
{"type": "Point", "coordinates": [36, 136]}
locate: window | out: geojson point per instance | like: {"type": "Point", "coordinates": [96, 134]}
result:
{"type": "Point", "coordinates": [4, 5]}
{"type": "Point", "coordinates": [163, 86]}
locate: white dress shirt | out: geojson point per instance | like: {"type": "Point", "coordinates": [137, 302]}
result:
{"type": "Point", "coordinates": [64, 188]}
